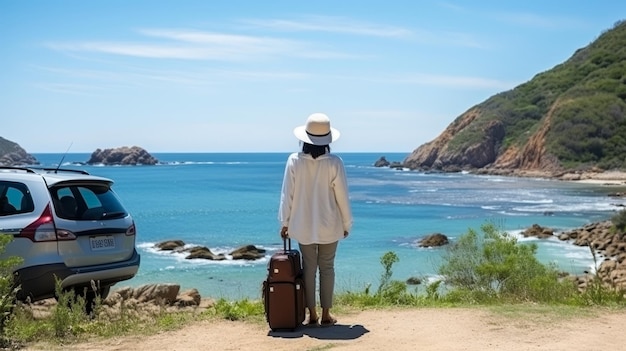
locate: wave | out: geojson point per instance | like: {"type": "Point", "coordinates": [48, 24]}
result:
{"type": "Point", "coordinates": [575, 208]}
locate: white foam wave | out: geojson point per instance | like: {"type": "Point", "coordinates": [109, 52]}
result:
{"type": "Point", "coordinates": [513, 214]}
{"type": "Point", "coordinates": [572, 207]}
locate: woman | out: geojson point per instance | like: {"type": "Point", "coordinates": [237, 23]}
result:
{"type": "Point", "coordinates": [315, 210]}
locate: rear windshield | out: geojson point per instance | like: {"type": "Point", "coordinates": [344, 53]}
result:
{"type": "Point", "coordinates": [87, 202]}
{"type": "Point", "coordinates": [15, 198]}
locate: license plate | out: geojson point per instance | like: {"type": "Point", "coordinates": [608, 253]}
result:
{"type": "Point", "coordinates": [102, 242]}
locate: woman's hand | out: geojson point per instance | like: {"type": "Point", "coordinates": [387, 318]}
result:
{"type": "Point", "coordinates": [283, 233]}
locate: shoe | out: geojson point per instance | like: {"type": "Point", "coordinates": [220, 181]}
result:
{"type": "Point", "coordinates": [328, 322]}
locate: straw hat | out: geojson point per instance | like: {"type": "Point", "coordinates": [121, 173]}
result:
{"type": "Point", "coordinates": [317, 130]}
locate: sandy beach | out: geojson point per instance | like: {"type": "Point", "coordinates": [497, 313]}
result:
{"type": "Point", "coordinates": [405, 329]}
{"type": "Point", "coordinates": [604, 178]}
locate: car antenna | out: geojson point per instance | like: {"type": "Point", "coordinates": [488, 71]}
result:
{"type": "Point", "coordinates": [62, 158]}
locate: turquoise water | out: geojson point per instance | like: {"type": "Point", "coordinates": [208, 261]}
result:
{"type": "Point", "coordinates": [224, 201]}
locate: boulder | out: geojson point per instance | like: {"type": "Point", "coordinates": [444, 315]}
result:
{"type": "Point", "coordinates": [170, 245]}
{"type": "Point", "coordinates": [248, 252]}
{"type": "Point", "coordinates": [381, 162]}
{"type": "Point", "coordinates": [159, 293]}
{"type": "Point", "coordinates": [538, 231]}
{"type": "Point", "coordinates": [413, 281]}
{"type": "Point", "coordinates": [436, 239]}
{"type": "Point", "coordinates": [204, 252]}
{"type": "Point", "coordinates": [188, 298]}
{"type": "Point", "coordinates": [122, 156]}
{"type": "Point", "coordinates": [396, 165]}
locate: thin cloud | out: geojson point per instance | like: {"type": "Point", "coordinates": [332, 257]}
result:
{"type": "Point", "coordinates": [347, 26]}
{"type": "Point", "coordinates": [161, 51]}
{"type": "Point", "coordinates": [197, 45]}
{"type": "Point", "coordinates": [332, 25]}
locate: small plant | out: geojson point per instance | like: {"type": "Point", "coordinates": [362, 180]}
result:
{"type": "Point", "coordinates": [237, 310]}
{"type": "Point", "coordinates": [619, 221]}
{"type": "Point", "coordinates": [68, 315]}
{"type": "Point", "coordinates": [387, 260]}
{"type": "Point", "coordinates": [8, 289]}
{"type": "Point", "coordinates": [596, 292]}
{"type": "Point", "coordinates": [432, 290]}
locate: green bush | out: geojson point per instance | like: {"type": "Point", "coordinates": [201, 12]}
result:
{"type": "Point", "coordinates": [496, 265]}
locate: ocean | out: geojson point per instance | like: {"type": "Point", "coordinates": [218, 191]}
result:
{"type": "Point", "coordinates": [227, 200]}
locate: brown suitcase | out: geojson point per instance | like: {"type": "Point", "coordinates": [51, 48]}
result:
{"type": "Point", "coordinates": [285, 265]}
{"type": "Point", "coordinates": [283, 290]}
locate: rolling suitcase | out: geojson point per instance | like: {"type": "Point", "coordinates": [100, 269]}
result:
{"type": "Point", "coordinates": [283, 290]}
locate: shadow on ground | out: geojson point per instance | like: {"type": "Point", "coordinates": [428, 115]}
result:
{"type": "Point", "coordinates": [336, 332]}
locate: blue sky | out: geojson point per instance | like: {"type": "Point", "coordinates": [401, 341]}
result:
{"type": "Point", "coordinates": [238, 76]}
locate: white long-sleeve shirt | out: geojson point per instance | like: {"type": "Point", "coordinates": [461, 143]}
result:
{"type": "Point", "coordinates": [314, 202]}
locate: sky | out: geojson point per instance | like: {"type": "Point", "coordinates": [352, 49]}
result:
{"type": "Point", "coordinates": [239, 76]}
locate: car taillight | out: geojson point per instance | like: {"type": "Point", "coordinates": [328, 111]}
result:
{"type": "Point", "coordinates": [43, 229]}
{"type": "Point", "coordinates": [131, 230]}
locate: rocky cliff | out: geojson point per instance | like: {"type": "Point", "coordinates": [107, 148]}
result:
{"type": "Point", "coordinates": [11, 154]}
{"type": "Point", "coordinates": [567, 119]}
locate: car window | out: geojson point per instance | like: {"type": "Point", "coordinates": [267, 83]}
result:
{"type": "Point", "coordinates": [15, 198]}
{"type": "Point", "coordinates": [87, 202]}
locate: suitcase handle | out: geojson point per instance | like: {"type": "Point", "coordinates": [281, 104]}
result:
{"type": "Point", "coordinates": [285, 240]}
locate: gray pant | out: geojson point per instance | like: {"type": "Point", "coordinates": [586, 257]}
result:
{"type": "Point", "coordinates": [322, 256]}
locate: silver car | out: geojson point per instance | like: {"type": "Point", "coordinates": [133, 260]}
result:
{"type": "Point", "coordinates": [67, 225]}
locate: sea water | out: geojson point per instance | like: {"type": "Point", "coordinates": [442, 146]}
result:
{"type": "Point", "coordinates": [227, 200]}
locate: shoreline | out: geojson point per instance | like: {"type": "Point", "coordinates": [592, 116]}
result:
{"type": "Point", "coordinates": [612, 178]}
{"type": "Point", "coordinates": [604, 178]}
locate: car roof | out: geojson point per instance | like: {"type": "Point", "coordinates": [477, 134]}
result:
{"type": "Point", "coordinates": [56, 175]}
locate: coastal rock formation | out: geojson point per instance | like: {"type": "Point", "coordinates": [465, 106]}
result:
{"type": "Point", "coordinates": [538, 231]}
{"type": "Point", "coordinates": [246, 252]}
{"type": "Point", "coordinates": [143, 301]}
{"type": "Point", "coordinates": [11, 154]}
{"type": "Point", "coordinates": [382, 162]}
{"type": "Point", "coordinates": [603, 241]}
{"type": "Point", "coordinates": [205, 253]}
{"type": "Point", "coordinates": [433, 240]}
{"type": "Point", "coordinates": [170, 245]}
{"type": "Point", "coordinates": [122, 156]}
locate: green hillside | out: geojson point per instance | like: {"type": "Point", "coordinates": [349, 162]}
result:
{"type": "Point", "coordinates": [583, 100]}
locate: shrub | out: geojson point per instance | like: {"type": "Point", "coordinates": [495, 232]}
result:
{"type": "Point", "coordinates": [496, 265]}
{"type": "Point", "coordinates": [619, 221]}
{"type": "Point", "coordinates": [387, 260]}
{"type": "Point", "coordinates": [8, 290]}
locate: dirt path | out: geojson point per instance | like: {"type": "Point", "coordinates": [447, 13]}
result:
{"type": "Point", "coordinates": [395, 330]}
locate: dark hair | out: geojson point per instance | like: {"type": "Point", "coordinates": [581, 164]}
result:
{"type": "Point", "coordinates": [315, 150]}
